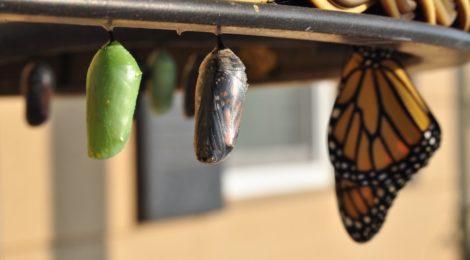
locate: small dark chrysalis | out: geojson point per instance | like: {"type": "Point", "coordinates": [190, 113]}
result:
{"type": "Point", "coordinates": [190, 74]}
{"type": "Point", "coordinates": [220, 94]}
{"type": "Point", "coordinates": [37, 85]}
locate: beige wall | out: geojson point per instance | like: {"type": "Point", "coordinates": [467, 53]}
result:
{"type": "Point", "coordinates": [25, 186]}
{"type": "Point", "coordinates": [57, 204]}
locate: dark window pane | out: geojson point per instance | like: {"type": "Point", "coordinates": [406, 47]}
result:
{"type": "Point", "coordinates": [171, 182]}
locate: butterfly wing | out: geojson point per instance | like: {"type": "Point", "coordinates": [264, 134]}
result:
{"type": "Point", "coordinates": [381, 132]}
{"type": "Point", "coordinates": [363, 208]}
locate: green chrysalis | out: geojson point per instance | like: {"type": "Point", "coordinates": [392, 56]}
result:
{"type": "Point", "coordinates": [112, 86]}
{"type": "Point", "coordinates": [162, 83]}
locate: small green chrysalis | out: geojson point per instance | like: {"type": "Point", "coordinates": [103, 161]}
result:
{"type": "Point", "coordinates": [162, 83]}
{"type": "Point", "coordinates": [112, 86]}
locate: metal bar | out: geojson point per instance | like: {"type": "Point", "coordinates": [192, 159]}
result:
{"type": "Point", "coordinates": [236, 18]}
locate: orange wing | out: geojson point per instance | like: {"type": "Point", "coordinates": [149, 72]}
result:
{"type": "Point", "coordinates": [381, 132]}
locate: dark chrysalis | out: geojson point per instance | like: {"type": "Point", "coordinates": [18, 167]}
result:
{"type": "Point", "coordinates": [190, 74]}
{"type": "Point", "coordinates": [162, 80]}
{"type": "Point", "coordinates": [112, 85]}
{"type": "Point", "coordinates": [220, 94]}
{"type": "Point", "coordinates": [37, 85]}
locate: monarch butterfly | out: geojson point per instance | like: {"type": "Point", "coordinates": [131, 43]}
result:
{"type": "Point", "coordinates": [381, 132]}
{"type": "Point", "coordinates": [162, 83]}
{"type": "Point", "coordinates": [220, 94]}
{"type": "Point", "coordinates": [37, 85]}
{"type": "Point", "coordinates": [190, 74]}
{"type": "Point", "coordinates": [112, 85]}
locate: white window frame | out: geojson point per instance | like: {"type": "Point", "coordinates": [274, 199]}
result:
{"type": "Point", "coordinates": [254, 181]}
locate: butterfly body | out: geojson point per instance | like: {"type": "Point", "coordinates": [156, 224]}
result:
{"type": "Point", "coordinates": [381, 132]}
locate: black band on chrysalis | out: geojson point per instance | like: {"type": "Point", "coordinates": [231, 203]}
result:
{"type": "Point", "coordinates": [220, 44]}
{"type": "Point", "coordinates": [111, 35]}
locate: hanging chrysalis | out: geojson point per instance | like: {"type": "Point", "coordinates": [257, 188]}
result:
{"type": "Point", "coordinates": [220, 94]}
{"type": "Point", "coordinates": [142, 88]}
{"type": "Point", "coordinates": [112, 86]}
{"type": "Point", "coordinates": [190, 74]}
{"type": "Point", "coordinates": [37, 84]}
{"type": "Point", "coordinates": [381, 132]}
{"type": "Point", "coordinates": [162, 81]}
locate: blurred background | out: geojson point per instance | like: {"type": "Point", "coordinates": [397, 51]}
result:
{"type": "Point", "coordinates": [272, 199]}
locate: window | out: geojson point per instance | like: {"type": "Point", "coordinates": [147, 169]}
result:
{"type": "Point", "coordinates": [171, 182]}
{"type": "Point", "coordinates": [281, 148]}
{"type": "Point", "coordinates": [282, 142]}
